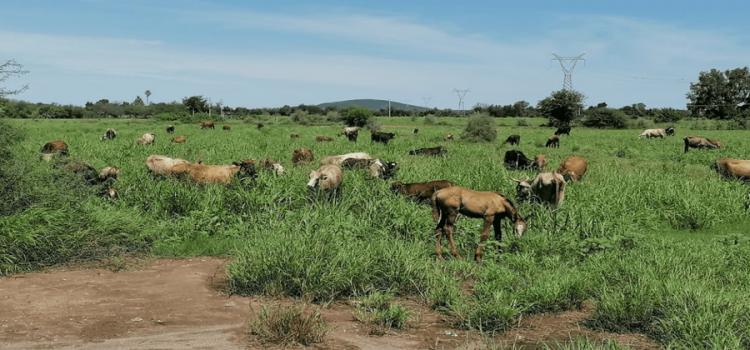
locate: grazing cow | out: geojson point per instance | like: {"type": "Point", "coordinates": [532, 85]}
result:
{"type": "Point", "coordinates": [170, 129]}
{"type": "Point", "coordinates": [79, 167]}
{"type": "Point", "coordinates": [356, 163]}
{"type": "Point", "coordinates": [294, 136]}
{"type": "Point", "coordinates": [226, 127]}
{"type": "Point", "coordinates": [207, 124]}
{"type": "Point", "coordinates": [146, 139]}
{"type": "Point", "coordinates": [416, 130]}
{"type": "Point", "coordinates": [516, 160]}
{"type": "Point", "coordinates": [448, 137]}
{"type": "Point", "coordinates": [669, 131]}
{"type": "Point", "coordinates": [382, 137]}
{"type": "Point", "coordinates": [653, 133]}
{"type": "Point", "coordinates": [260, 126]}
{"type": "Point", "coordinates": [162, 165]}
{"type": "Point", "coordinates": [546, 188]}
{"type": "Point", "coordinates": [513, 140]}
{"type": "Point", "coordinates": [52, 149]}
{"type": "Point", "coordinates": [302, 156]}
{"type": "Point", "coordinates": [380, 169]}
{"type": "Point", "coordinates": [490, 206]}
{"type": "Point", "coordinates": [221, 174]}
{"type": "Point", "coordinates": [563, 130]}
{"type": "Point", "coordinates": [351, 133]}
{"type": "Point", "coordinates": [109, 173]}
{"type": "Point", "coordinates": [439, 151]}
{"type": "Point", "coordinates": [323, 138]}
{"type": "Point", "coordinates": [338, 160]}
{"type": "Point", "coordinates": [421, 191]}
{"type": "Point", "coordinates": [271, 164]}
{"type": "Point", "coordinates": [178, 139]}
{"type": "Point", "coordinates": [731, 168]}
{"type": "Point", "coordinates": [327, 177]}
{"type": "Point", "coordinates": [573, 168]}
{"type": "Point", "coordinates": [700, 143]}
{"type": "Point", "coordinates": [109, 135]}
{"type": "Point", "coordinates": [540, 163]}
{"type": "Point", "coordinates": [553, 141]}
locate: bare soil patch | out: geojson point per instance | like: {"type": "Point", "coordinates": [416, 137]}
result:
{"type": "Point", "coordinates": [180, 304]}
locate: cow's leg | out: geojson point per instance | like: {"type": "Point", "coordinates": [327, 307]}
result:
{"type": "Point", "coordinates": [485, 233]}
{"type": "Point", "coordinates": [497, 225]}
{"type": "Point", "coordinates": [450, 228]}
{"type": "Point", "coordinates": [439, 233]}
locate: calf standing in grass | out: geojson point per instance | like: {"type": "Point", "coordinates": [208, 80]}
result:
{"type": "Point", "coordinates": [573, 168]}
{"type": "Point", "coordinates": [208, 124]}
{"type": "Point", "coordinates": [553, 141]}
{"type": "Point", "coordinates": [546, 188]}
{"type": "Point", "coordinates": [513, 140]}
{"type": "Point", "coordinates": [490, 206]}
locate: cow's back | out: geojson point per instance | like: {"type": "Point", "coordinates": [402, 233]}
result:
{"type": "Point", "coordinates": [573, 167]}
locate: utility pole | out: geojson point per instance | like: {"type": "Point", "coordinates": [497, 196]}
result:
{"type": "Point", "coordinates": [209, 106]}
{"type": "Point", "coordinates": [568, 80]}
{"type": "Point", "coordinates": [426, 102]}
{"type": "Point", "coordinates": [220, 105]}
{"type": "Point", "coordinates": [461, 95]}
{"type": "Point", "coordinates": [389, 108]}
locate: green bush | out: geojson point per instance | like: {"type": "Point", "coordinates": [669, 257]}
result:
{"type": "Point", "coordinates": [480, 128]}
{"type": "Point", "coordinates": [605, 118]}
{"type": "Point", "coordinates": [381, 314]}
{"type": "Point", "coordinates": [289, 326]}
{"type": "Point", "coordinates": [522, 122]}
{"type": "Point", "coordinates": [358, 116]}
{"type": "Point", "coordinates": [430, 120]}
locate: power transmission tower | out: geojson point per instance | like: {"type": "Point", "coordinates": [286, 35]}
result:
{"type": "Point", "coordinates": [568, 81]}
{"type": "Point", "coordinates": [461, 95]}
{"type": "Point", "coordinates": [426, 102]}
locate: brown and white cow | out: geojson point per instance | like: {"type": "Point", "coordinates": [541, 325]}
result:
{"type": "Point", "coordinates": [53, 148]}
{"type": "Point", "coordinates": [338, 160]}
{"type": "Point", "coordinates": [380, 169]}
{"type": "Point", "coordinates": [327, 177]}
{"type": "Point", "coordinates": [146, 139]}
{"type": "Point", "coordinates": [272, 165]}
{"type": "Point", "coordinates": [573, 168]}
{"type": "Point", "coordinates": [221, 174]}
{"type": "Point", "coordinates": [700, 142]}
{"type": "Point", "coordinates": [553, 141]}
{"type": "Point", "coordinates": [162, 165]}
{"type": "Point", "coordinates": [302, 156]}
{"type": "Point", "coordinates": [178, 139]}
{"type": "Point", "coordinates": [421, 191]}
{"type": "Point", "coordinates": [546, 188]}
{"type": "Point", "coordinates": [208, 124]}
{"type": "Point", "coordinates": [731, 168]}
{"type": "Point", "coordinates": [653, 133]}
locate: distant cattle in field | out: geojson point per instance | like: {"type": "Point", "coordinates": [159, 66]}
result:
{"type": "Point", "coordinates": [382, 137]}
{"type": "Point", "coordinates": [448, 137]}
{"type": "Point", "coordinates": [294, 136]}
{"type": "Point", "coordinates": [323, 138]}
{"type": "Point", "coordinates": [170, 129]}
{"type": "Point", "coordinates": [109, 135]}
{"type": "Point", "coordinates": [384, 170]}
{"type": "Point", "coordinates": [351, 133]}
{"type": "Point", "coordinates": [338, 160]}
{"type": "Point", "coordinates": [563, 130]}
{"type": "Point", "coordinates": [220, 174]}
{"type": "Point", "coordinates": [546, 188]}
{"type": "Point", "coordinates": [260, 126]}
{"type": "Point", "coordinates": [516, 160]}
{"type": "Point", "coordinates": [653, 133]}
{"type": "Point", "coordinates": [162, 165]}
{"type": "Point", "coordinates": [416, 130]}
{"type": "Point", "coordinates": [492, 207]}
{"type": "Point", "coordinates": [553, 141]}
{"type": "Point", "coordinates": [356, 163]}
{"type": "Point", "coordinates": [700, 143]}
{"type": "Point", "coordinates": [302, 156]}
{"type": "Point", "coordinates": [327, 177]}
{"type": "Point", "coordinates": [207, 124]}
{"type": "Point", "coordinates": [731, 168]}
{"type": "Point", "coordinates": [272, 165]}
{"type": "Point", "coordinates": [178, 139]}
{"type": "Point", "coordinates": [146, 139]}
{"type": "Point", "coordinates": [421, 191]}
{"type": "Point", "coordinates": [438, 151]}
{"type": "Point", "coordinates": [573, 168]}
{"type": "Point", "coordinates": [52, 149]}
{"type": "Point", "coordinates": [540, 162]}
{"type": "Point", "coordinates": [226, 127]}
{"type": "Point", "coordinates": [109, 173]}
{"type": "Point", "coordinates": [513, 140]}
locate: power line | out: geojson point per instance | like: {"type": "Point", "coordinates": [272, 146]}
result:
{"type": "Point", "coordinates": [568, 80]}
{"type": "Point", "coordinates": [461, 95]}
{"type": "Point", "coordinates": [426, 101]}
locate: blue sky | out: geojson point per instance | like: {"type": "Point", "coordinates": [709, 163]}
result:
{"type": "Point", "coordinates": [267, 54]}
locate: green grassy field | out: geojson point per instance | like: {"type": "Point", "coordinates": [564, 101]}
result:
{"type": "Point", "coordinates": [653, 236]}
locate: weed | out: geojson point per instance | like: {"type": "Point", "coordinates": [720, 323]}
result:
{"type": "Point", "coordinates": [289, 325]}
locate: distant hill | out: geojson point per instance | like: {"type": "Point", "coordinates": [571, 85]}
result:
{"type": "Point", "coordinates": [372, 104]}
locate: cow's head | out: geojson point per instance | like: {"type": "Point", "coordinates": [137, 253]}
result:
{"type": "Point", "coordinates": [669, 131]}
{"type": "Point", "coordinates": [523, 189]}
{"type": "Point", "coordinates": [519, 224]}
{"type": "Point", "coordinates": [247, 169]}
{"type": "Point", "coordinates": [397, 187]}
{"type": "Point", "coordinates": [315, 178]}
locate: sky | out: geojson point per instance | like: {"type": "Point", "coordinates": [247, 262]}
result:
{"type": "Point", "coordinates": [273, 53]}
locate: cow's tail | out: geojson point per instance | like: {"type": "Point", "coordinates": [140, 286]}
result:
{"type": "Point", "coordinates": [558, 197]}
{"type": "Point", "coordinates": [435, 211]}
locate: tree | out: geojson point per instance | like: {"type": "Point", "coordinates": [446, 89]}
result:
{"type": "Point", "coordinates": [480, 128]}
{"type": "Point", "coordinates": [563, 106]}
{"type": "Point", "coordinates": [603, 117]}
{"type": "Point", "coordinates": [195, 104]}
{"type": "Point", "coordinates": [357, 116]}
{"type": "Point", "coordinates": [717, 94]}
{"type": "Point", "coordinates": [138, 101]}
{"type": "Point", "coordinates": [8, 69]}
{"type": "Point", "coordinates": [148, 94]}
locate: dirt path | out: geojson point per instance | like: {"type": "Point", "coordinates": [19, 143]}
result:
{"type": "Point", "coordinates": [178, 304]}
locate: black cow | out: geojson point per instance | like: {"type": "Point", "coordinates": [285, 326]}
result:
{"type": "Point", "coordinates": [416, 130]}
{"type": "Point", "coordinates": [433, 151]}
{"type": "Point", "coordinates": [513, 140]}
{"type": "Point", "coordinates": [516, 160]}
{"type": "Point", "coordinates": [260, 126]}
{"type": "Point", "coordinates": [669, 131]}
{"type": "Point", "coordinates": [382, 137]}
{"type": "Point", "coordinates": [352, 135]}
{"type": "Point", "coordinates": [170, 129]}
{"type": "Point", "coordinates": [382, 169]}
{"type": "Point", "coordinates": [109, 135]}
{"type": "Point", "coordinates": [563, 130]}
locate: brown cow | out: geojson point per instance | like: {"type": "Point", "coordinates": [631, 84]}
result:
{"type": "Point", "coordinates": [226, 127]}
{"type": "Point", "coordinates": [327, 177]}
{"type": "Point", "coordinates": [162, 165]}
{"type": "Point", "coordinates": [323, 138]}
{"type": "Point", "coordinates": [490, 206]}
{"type": "Point", "coordinates": [221, 174]}
{"type": "Point", "coordinates": [109, 173]}
{"type": "Point", "coordinates": [448, 137]}
{"type": "Point", "coordinates": [207, 124]}
{"type": "Point", "coordinates": [540, 163]}
{"type": "Point", "coordinates": [421, 191]}
{"type": "Point", "coordinates": [513, 140]}
{"type": "Point", "coordinates": [700, 142]}
{"type": "Point", "coordinates": [271, 164]}
{"type": "Point", "coordinates": [302, 156]}
{"type": "Point", "coordinates": [52, 149]}
{"type": "Point", "coordinates": [179, 139]}
{"type": "Point", "coordinates": [553, 141]}
{"type": "Point", "coordinates": [546, 188]}
{"type": "Point", "coordinates": [146, 139]}
{"type": "Point", "coordinates": [295, 136]}
{"type": "Point", "coordinates": [573, 168]}
{"type": "Point", "coordinates": [731, 168]}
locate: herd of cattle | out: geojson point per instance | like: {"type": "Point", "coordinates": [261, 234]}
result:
{"type": "Point", "coordinates": [446, 199]}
